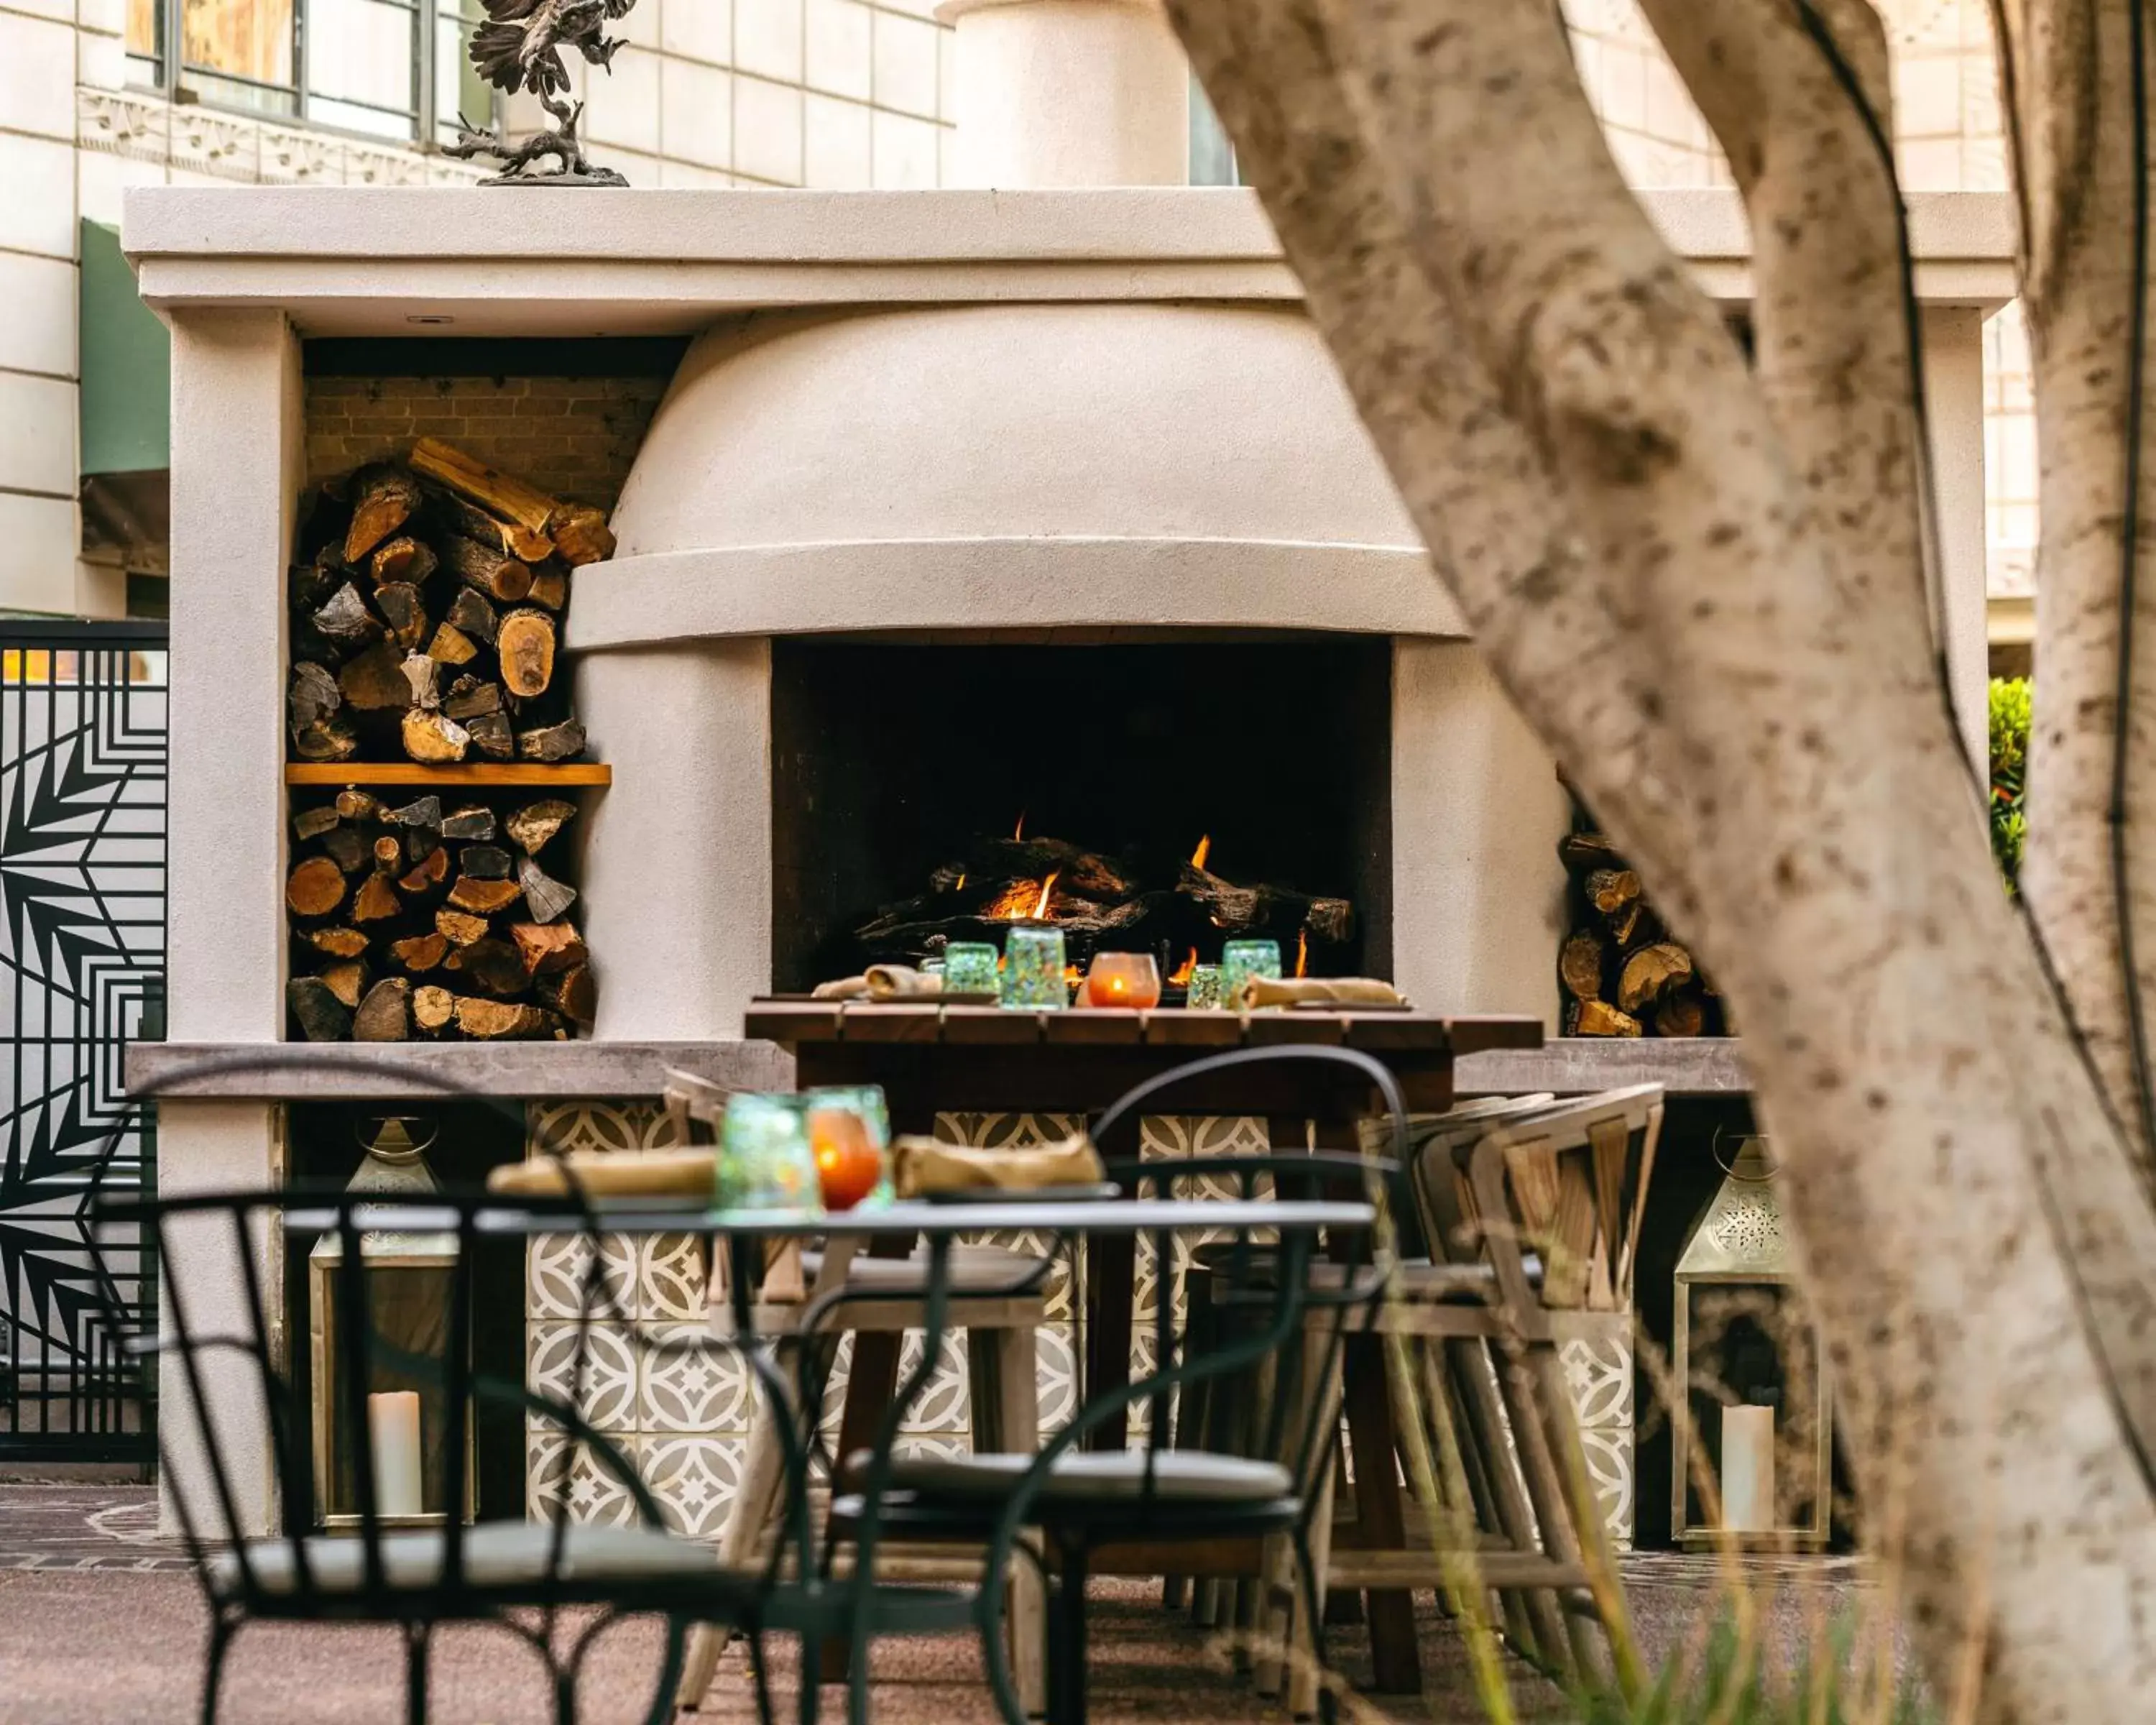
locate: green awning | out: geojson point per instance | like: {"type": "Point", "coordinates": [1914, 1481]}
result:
{"type": "Point", "coordinates": [126, 366]}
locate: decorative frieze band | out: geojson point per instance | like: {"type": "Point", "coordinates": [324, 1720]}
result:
{"type": "Point", "coordinates": [148, 127]}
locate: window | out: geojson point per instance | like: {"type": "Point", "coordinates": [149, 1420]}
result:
{"type": "Point", "coordinates": [1212, 154]}
{"type": "Point", "coordinates": [394, 70]}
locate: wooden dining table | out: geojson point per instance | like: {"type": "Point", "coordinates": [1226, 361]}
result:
{"type": "Point", "coordinates": [931, 1057]}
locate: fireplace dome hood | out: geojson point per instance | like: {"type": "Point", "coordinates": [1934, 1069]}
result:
{"type": "Point", "coordinates": [1057, 466]}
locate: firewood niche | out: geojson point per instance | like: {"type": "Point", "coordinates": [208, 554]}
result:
{"type": "Point", "coordinates": [435, 917]}
{"type": "Point", "coordinates": [427, 612]}
{"type": "Point", "coordinates": [1622, 971]}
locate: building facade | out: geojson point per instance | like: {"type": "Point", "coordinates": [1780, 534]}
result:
{"type": "Point", "coordinates": [96, 95]}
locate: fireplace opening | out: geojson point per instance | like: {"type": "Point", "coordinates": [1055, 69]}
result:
{"type": "Point", "coordinates": [1159, 797]}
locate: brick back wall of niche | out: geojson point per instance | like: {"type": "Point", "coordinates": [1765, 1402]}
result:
{"type": "Point", "coordinates": [573, 437]}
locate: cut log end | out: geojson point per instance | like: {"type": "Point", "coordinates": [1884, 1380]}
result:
{"type": "Point", "coordinates": [1598, 1018]}
{"type": "Point", "coordinates": [431, 738]}
{"type": "Point", "coordinates": [526, 645]}
{"type": "Point", "coordinates": [320, 1015]}
{"type": "Point", "coordinates": [534, 826]}
{"type": "Point", "coordinates": [315, 888]}
{"type": "Point", "coordinates": [386, 1014]}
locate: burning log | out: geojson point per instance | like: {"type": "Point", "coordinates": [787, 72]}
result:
{"type": "Point", "coordinates": [1098, 902]}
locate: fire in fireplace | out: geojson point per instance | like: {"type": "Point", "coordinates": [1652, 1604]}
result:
{"type": "Point", "coordinates": [1157, 796]}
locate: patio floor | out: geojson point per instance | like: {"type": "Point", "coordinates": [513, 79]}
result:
{"type": "Point", "coordinates": [101, 1624]}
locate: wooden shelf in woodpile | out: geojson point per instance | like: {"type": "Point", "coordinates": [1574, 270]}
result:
{"type": "Point", "coordinates": [1622, 973]}
{"type": "Point", "coordinates": [432, 919]}
{"type": "Point", "coordinates": [577, 774]}
{"type": "Point", "coordinates": [427, 616]}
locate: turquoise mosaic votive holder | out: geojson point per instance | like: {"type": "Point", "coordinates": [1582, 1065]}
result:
{"type": "Point", "coordinates": [1033, 970]}
{"type": "Point", "coordinates": [1201, 992]}
{"type": "Point", "coordinates": [1241, 961]}
{"type": "Point", "coordinates": [969, 968]}
{"type": "Point", "coordinates": [765, 1161]}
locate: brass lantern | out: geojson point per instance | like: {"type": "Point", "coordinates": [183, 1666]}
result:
{"type": "Point", "coordinates": [408, 1279]}
{"type": "Point", "coordinates": [1754, 1369]}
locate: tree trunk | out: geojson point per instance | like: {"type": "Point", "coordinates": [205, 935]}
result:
{"type": "Point", "coordinates": [1650, 544]}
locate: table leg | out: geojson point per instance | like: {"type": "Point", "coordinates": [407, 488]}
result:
{"type": "Point", "coordinates": [1111, 1285]}
{"type": "Point", "coordinates": [1373, 1440]}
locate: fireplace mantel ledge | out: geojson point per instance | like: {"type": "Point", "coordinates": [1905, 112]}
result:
{"type": "Point", "coordinates": [353, 1072]}
{"type": "Point", "coordinates": [358, 260]}
{"type": "Point", "coordinates": [329, 1072]}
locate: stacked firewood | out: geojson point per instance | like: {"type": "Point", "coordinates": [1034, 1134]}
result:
{"type": "Point", "coordinates": [426, 617]}
{"type": "Point", "coordinates": [424, 921]}
{"type": "Point", "coordinates": [1623, 974]}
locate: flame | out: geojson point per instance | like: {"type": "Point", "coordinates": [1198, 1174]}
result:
{"type": "Point", "coordinates": [1017, 832]}
{"type": "Point", "coordinates": [1198, 858]}
{"type": "Point", "coordinates": [1302, 951]}
{"type": "Point", "coordinates": [961, 887]}
{"type": "Point", "coordinates": [1070, 977]}
{"type": "Point", "coordinates": [1022, 900]}
{"type": "Point", "coordinates": [1182, 976]}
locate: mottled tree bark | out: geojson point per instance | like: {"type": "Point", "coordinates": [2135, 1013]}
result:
{"type": "Point", "coordinates": [2067, 78]}
{"type": "Point", "coordinates": [1705, 587]}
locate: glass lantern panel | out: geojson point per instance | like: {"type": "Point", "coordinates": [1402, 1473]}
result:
{"type": "Point", "coordinates": [1752, 1345]}
{"type": "Point", "coordinates": [408, 1308]}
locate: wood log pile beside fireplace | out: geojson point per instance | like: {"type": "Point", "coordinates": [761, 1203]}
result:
{"type": "Point", "coordinates": [432, 740]}
{"type": "Point", "coordinates": [1624, 973]}
{"type": "Point", "coordinates": [425, 921]}
{"type": "Point", "coordinates": [427, 614]}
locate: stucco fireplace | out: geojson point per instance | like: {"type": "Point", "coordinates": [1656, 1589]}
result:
{"type": "Point", "coordinates": [1078, 421]}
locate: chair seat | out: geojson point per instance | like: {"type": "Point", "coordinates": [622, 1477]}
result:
{"type": "Point", "coordinates": [974, 1270]}
{"type": "Point", "coordinates": [1417, 1278]}
{"type": "Point", "coordinates": [1107, 1476]}
{"type": "Point", "coordinates": [498, 1556]}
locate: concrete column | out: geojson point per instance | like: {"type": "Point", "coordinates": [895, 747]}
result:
{"type": "Point", "coordinates": [235, 486]}
{"type": "Point", "coordinates": [1069, 93]}
{"type": "Point", "coordinates": [677, 854]}
{"type": "Point", "coordinates": [236, 469]}
{"type": "Point", "coordinates": [1954, 390]}
{"type": "Point", "coordinates": [1478, 893]}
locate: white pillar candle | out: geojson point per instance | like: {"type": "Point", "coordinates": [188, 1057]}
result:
{"type": "Point", "coordinates": [392, 1424]}
{"type": "Point", "coordinates": [1748, 1469]}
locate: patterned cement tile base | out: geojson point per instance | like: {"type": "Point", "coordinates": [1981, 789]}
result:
{"type": "Point", "coordinates": [87, 1526]}
{"type": "Point", "coordinates": [684, 1417]}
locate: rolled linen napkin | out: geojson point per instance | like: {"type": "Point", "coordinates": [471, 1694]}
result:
{"type": "Point", "coordinates": [610, 1173]}
{"type": "Point", "coordinates": [1258, 991]}
{"type": "Point", "coordinates": [922, 1166]}
{"type": "Point", "coordinates": [882, 982]}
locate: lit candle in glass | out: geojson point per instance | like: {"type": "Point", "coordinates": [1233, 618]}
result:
{"type": "Point", "coordinates": [1204, 988]}
{"type": "Point", "coordinates": [1123, 979]}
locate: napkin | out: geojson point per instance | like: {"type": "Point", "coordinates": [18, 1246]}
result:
{"type": "Point", "coordinates": [882, 982]}
{"type": "Point", "coordinates": [1320, 991]}
{"type": "Point", "coordinates": [922, 1166]}
{"type": "Point", "coordinates": [610, 1173]}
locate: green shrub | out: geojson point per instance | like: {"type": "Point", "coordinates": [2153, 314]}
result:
{"type": "Point", "coordinates": [1728, 1684]}
{"type": "Point", "coordinates": [2009, 752]}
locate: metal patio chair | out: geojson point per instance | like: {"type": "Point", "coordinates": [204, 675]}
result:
{"type": "Point", "coordinates": [237, 1423]}
{"type": "Point", "coordinates": [1071, 1503]}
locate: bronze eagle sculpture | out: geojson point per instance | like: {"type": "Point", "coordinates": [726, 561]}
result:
{"type": "Point", "coordinates": [520, 48]}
